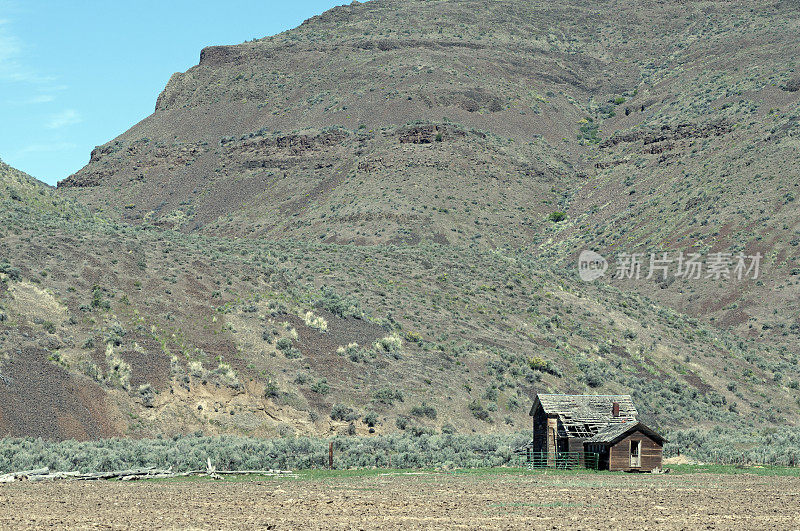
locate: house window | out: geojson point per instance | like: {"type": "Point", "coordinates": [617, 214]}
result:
{"type": "Point", "coordinates": [635, 453]}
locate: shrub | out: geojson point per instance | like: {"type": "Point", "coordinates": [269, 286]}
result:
{"type": "Point", "coordinates": [283, 344]}
{"type": "Point", "coordinates": [593, 379]}
{"type": "Point", "coordinates": [589, 130]}
{"type": "Point", "coordinates": [370, 419]}
{"type": "Point", "coordinates": [557, 217]}
{"type": "Point", "coordinates": [387, 396]}
{"type": "Point", "coordinates": [478, 411]}
{"type": "Point", "coordinates": [355, 353]}
{"type": "Point", "coordinates": [448, 429]}
{"type": "Point", "coordinates": [424, 410]}
{"type": "Point", "coordinates": [321, 387]}
{"type": "Point", "coordinates": [389, 345]}
{"type": "Point", "coordinates": [119, 372]}
{"type": "Point", "coordinates": [146, 394]}
{"type": "Point", "coordinates": [13, 273]}
{"type": "Point", "coordinates": [420, 448]}
{"type": "Point", "coordinates": [315, 321]}
{"type": "Point", "coordinates": [271, 390]}
{"type": "Point", "coordinates": [542, 365]}
{"type": "Point", "coordinates": [97, 299]}
{"type": "Point", "coordinates": [512, 404]}
{"type": "Point", "coordinates": [342, 412]}
{"type": "Point", "coordinates": [338, 305]}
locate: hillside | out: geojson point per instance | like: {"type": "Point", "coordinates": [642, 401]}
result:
{"type": "Point", "coordinates": [115, 330]}
{"type": "Point", "coordinates": [468, 123]}
{"type": "Point", "coordinates": [375, 218]}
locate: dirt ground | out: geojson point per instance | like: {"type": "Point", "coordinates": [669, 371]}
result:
{"type": "Point", "coordinates": [423, 500]}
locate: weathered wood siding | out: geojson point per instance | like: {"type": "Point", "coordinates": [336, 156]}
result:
{"type": "Point", "coordinates": [539, 431]}
{"type": "Point", "coordinates": [651, 453]}
{"type": "Point", "coordinates": [552, 439]}
{"type": "Point", "coordinates": [576, 446]}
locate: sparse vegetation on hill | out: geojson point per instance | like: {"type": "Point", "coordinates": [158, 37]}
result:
{"type": "Point", "coordinates": [220, 342]}
{"type": "Point", "coordinates": [383, 235]}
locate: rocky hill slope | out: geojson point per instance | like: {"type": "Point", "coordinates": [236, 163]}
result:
{"type": "Point", "coordinates": [375, 218]}
{"type": "Point", "coordinates": [467, 123]}
{"type": "Point", "coordinates": [107, 329]}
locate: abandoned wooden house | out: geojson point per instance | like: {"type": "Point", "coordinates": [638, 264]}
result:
{"type": "Point", "coordinates": [563, 425]}
{"type": "Point", "coordinates": [631, 446]}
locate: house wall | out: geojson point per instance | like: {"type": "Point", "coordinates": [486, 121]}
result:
{"type": "Point", "coordinates": [552, 439]}
{"type": "Point", "coordinates": [619, 457]}
{"type": "Point", "coordinates": [576, 445]}
{"type": "Point", "coordinates": [539, 431]}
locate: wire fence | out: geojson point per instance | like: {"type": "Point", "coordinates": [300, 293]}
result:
{"type": "Point", "coordinates": [560, 460]}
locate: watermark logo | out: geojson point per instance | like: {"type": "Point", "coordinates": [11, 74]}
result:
{"type": "Point", "coordinates": [692, 266]}
{"type": "Point", "coordinates": [591, 266]}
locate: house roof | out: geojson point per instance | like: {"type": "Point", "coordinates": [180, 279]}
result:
{"type": "Point", "coordinates": [585, 407]}
{"type": "Point", "coordinates": [615, 432]}
{"type": "Point", "coordinates": [584, 415]}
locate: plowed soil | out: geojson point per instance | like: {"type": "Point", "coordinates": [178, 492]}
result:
{"type": "Point", "coordinates": [425, 500]}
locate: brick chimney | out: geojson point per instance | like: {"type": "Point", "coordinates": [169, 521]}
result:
{"type": "Point", "coordinates": [615, 409]}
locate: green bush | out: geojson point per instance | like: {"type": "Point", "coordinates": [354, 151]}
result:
{"type": "Point", "coordinates": [13, 273]}
{"type": "Point", "coordinates": [342, 412]}
{"type": "Point", "coordinates": [417, 448]}
{"type": "Point", "coordinates": [98, 300]}
{"type": "Point", "coordinates": [271, 390]}
{"type": "Point", "coordinates": [283, 344]}
{"type": "Point", "coordinates": [424, 410]}
{"type": "Point", "coordinates": [337, 304]}
{"type": "Point", "coordinates": [321, 387]}
{"type": "Point", "coordinates": [539, 364]}
{"type": "Point", "coordinates": [478, 411]}
{"type": "Point", "coordinates": [371, 419]}
{"type": "Point", "coordinates": [387, 396]}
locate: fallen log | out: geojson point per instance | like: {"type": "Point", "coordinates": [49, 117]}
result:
{"type": "Point", "coordinates": [44, 474]}
{"type": "Point", "coordinates": [23, 475]}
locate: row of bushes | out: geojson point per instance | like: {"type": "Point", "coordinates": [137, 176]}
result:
{"type": "Point", "coordinates": [731, 445]}
{"type": "Point", "coordinates": [403, 450]}
{"type": "Point", "coordinates": [244, 453]}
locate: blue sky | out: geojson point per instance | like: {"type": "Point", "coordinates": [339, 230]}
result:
{"type": "Point", "coordinates": [76, 73]}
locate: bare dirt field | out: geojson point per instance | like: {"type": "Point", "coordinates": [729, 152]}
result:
{"type": "Point", "coordinates": [482, 499]}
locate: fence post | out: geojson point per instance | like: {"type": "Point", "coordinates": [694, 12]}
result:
{"type": "Point", "coordinates": [330, 456]}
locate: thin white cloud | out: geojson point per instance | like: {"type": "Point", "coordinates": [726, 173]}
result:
{"type": "Point", "coordinates": [11, 70]}
{"type": "Point", "coordinates": [10, 49]}
{"type": "Point", "coordinates": [41, 98]}
{"type": "Point", "coordinates": [33, 149]}
{"type": "Point", "coordinates": [64, 119]}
